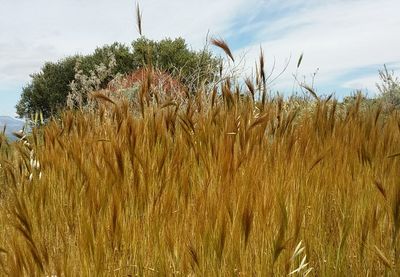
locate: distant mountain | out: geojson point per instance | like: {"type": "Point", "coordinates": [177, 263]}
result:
{"type": "Point", "coordinates": [12, 125]}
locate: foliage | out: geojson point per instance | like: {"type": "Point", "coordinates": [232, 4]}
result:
{"type": "Point", "coordinates": [363, 101]}
{"type": "Point", "coordinates": [174, 56]}
{"type": "Point", "coordinates": [388, 98]}
{"type": "Point", "coordinates": [83, 83]}
{"type": "Point", "coordinates": [122, 54]}
{"type": "Point", "coordinates": [389, 89]}
{"type": "Point", "coordinates": [49, 89]}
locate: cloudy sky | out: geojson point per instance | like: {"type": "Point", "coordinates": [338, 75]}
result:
{"type": "Point", "coordinates": [345, 41]}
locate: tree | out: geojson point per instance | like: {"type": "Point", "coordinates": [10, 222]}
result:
{"type": "Point", "coordinates": [174, 57]}
{"type": "Point", "coordinates": [122, 54]}
{"type": "Point", "coordinates": [48, 90]}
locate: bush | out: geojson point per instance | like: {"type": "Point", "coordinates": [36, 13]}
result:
{"type": "Point", "coordinates": [48, 90]}
{"type": "Point", "coordinates": [389, 89]}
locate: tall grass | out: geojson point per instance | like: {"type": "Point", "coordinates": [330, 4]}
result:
{"type": "Point", "coordinates": [219, 186]}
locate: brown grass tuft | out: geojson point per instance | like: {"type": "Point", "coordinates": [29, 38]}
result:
{"type": "Point", "coordinates": [224, 46]}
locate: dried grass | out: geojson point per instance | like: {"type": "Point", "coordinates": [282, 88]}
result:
{"type": "Point", "coordinates": [221, 185]}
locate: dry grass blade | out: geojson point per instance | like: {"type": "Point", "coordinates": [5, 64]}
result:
{"type": "Point", "coordinates": [19, 135]}
{"type": "Point", "coordinates": [100, 96]}
{"type": "Point", "coordinates": [168, 104]}
{"type": "Point", "coordinates": [328, 98]}
{"type": "Point", "coordinates": [298, 250]}
{"type": "Point", "coordinates": [396, 215]}
{"type": "Point", "coordinates": [250, 86]}
{"type": "Point", "coordinates": [317, 161]}
{"type": "Point", "coordinates": [279, 243]}
{"type": "Point", "coordinates": [260, 120]}
{"type": "Point", "coordinates": [213, 97]}
{"type": "Point", "coordinates": [302, 266]}
{"type": "Point", "coordinates": [2, 264]}
{"type": "Point", "coordinates": [120, 161]}
{"type": "Point", "coordinates": [311, 91]}
{"type": "Point", "coordinates": [139, 19]}
{"type": "Point", "coordinates": [193, 254]}
{"type": "Point", "coordinates": [262, 72]}
{"type": "Point", "coordinates": [247, 220]}
{"type": "Point", "coordinates": [383, 258]}
{"type": "Point", "coordinates": [393, 155]}
{"type": "Point", "coordinates": [262, 77]}
{"type": "Point", "coordinates": [221, 240]}
{"type": "Point", "coordinates": [380, 187]}
{"type": "Point", "coordinates": [224, 46]}
{"type": "Point", "coordinates": [257, 75]}
{"type": "Point", "coordinates": [299, 61]}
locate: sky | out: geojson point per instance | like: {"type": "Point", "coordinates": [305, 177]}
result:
{"type": "Point", "coordinates": [344, 42]}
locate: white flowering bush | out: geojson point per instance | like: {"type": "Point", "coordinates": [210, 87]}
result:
{"type": "Point", "coordinates": [389, 89]}
{"type": "Point", "coordinates": [83, 83]}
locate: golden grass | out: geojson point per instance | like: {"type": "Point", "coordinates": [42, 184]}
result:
{"type": "Point", "coordinates": [217, 187]}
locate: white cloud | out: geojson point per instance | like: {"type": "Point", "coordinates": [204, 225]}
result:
{"type": "Point", "coordinates": [365, 83]}
{"type": "Point", "coordinates": [337, 37]}
{"type": "Point", "coordinates": [192, 19]}
{"type": "Point", "coordinates": [368, 82]}
{"type": "Point", "coordinates": [32, 32]}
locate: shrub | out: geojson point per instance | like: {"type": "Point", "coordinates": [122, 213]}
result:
{"type": "Point", "coordinates": [389, 89]}
{"type": "Point", "coordinates": [48, 90]}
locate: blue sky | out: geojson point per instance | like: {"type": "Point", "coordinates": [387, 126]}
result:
{"type": "Point", "coordinates": [345, 41]}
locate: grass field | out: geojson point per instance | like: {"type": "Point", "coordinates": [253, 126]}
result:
{"type": "Point", "coordinates": [219, 186]}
